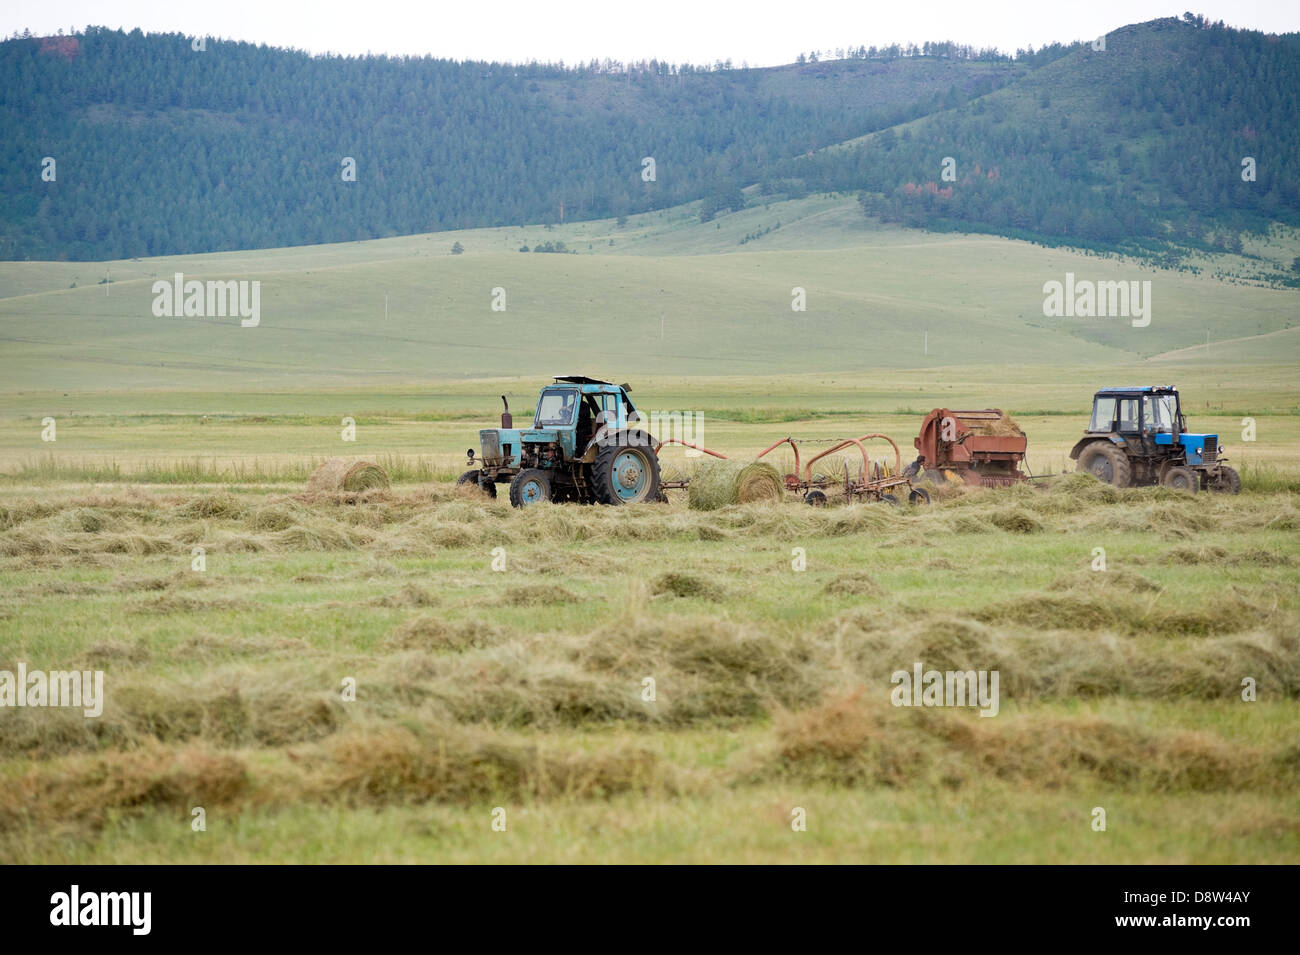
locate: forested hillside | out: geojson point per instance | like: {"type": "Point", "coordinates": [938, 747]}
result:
{"type": "Point", "coordinates": [161, 148]}
{"type": "Point", "coordinates": [1177, 130]}
{"type": "Point", "coordinates": [126, 144]}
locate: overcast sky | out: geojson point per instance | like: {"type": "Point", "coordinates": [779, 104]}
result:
{"type": "Point", "coordinates": [760, 32]}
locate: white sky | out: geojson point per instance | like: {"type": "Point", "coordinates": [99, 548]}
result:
{"type": "Point", "coordinates": [761, 32]}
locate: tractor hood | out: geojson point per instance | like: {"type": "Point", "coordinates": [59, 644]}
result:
{"type": "Point", "coordinates": [1198, 448]}
{"type": "Point", "coordinates": [501, 446]}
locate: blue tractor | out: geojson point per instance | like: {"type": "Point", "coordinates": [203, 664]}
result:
{"type": "Point", "coordinates": [584, 445]}
{"type": "Point", "coordinates": [1138, 436]}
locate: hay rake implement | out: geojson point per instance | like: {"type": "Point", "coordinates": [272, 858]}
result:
{"type": "Point", "coordinates": [875, 480]}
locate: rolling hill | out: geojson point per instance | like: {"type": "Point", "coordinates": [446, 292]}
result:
{"type": "Point", "coordinates": [664, 294]}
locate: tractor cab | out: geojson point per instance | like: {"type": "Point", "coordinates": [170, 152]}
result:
{"type": "Point", "coordinates": [1138, 435]}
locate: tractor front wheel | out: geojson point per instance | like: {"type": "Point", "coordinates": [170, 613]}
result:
{"type": "Point", "coordinates": [476, 477]}
{"type": "Point", "coordinates": [530, 486]}
{"type": "Point", "coordinates": [1182, 479]}
{"type": "Point", "coordinates": [1228, 482]}
{"type": "Point", "coordinates": [1106, 463]}
{"type": "Point", "coordinates": [626, 470]}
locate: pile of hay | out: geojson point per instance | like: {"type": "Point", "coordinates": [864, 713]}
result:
{"type": "Point", "coordinates": [1003, 427]}
{"type": "Point", "coordinates": [339, 474]}
{"type": "Point", "coordinates": [719, 483]}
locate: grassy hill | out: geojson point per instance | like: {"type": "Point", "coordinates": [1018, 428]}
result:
{"type": "Point", "coordinates": [669, 296]}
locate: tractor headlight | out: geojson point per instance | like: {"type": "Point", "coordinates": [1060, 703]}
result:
{"type": "Point", "coordinates": [1220, 449]}
{"type": "Point", "coordinates": [1200, 450]}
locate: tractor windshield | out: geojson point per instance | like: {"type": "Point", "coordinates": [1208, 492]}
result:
{"type": "Point", "coordinates": [556, 408]}
{"type": "Point", "coordinates": [1160, 412]}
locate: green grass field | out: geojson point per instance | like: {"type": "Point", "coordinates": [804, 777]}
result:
{"type": "Point", "coordinates": [521, 688]}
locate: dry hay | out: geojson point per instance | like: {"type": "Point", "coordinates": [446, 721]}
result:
{"type": "Point", "coordinates": [720, 483]}
{"type": "Point", "coordinates": [1003, 427]}
{"type": "Point", "coordinates": [853, 739]}
{"type": "Point", "coordinates": [339, 474]}
{"type": "Point", "coordinates": [682, 584]}
{"type": "Point", "coordinates": [758, 482]}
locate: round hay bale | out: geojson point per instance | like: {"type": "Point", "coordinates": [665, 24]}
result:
{"type": "Point", "coordinates": [716, 484]}
{"type": "Point", "coordinates": [758, 481]}
{"type": "Point", "coordinates": [339, 474]}
{"type": "Point", "coordinates": [328, 478]}
{"type": "Point", "coordinates": [713, 485]}
{"type": "Point", "coordinates": [365, 476]}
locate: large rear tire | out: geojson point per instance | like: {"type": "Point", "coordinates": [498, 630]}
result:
{"type": "Point", "coordinates": [626, 469]}
{"type": "Point", "coordinates": [1182, 479]}
{"type": "Point", "coordinates": [1106, 463]}
{"type": "Point", "coordinates": [530, 486]}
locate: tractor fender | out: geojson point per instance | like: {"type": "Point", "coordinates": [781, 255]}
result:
{"type": "Point", "coordinates": [630, 436]}
{"type": "Point", "coordinates": [1084, 442]}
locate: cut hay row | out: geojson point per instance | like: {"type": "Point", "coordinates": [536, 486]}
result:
{"type": "Point", "coordinates": [846, 739]}
{"type": "Point", "coordinates": [95, 529]}
{"type": "Point", "coordinates": [472, 671]}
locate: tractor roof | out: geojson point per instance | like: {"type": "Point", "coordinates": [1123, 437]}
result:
{"type": "Point", "coordinates": [593, 386]}
{"type": "Point", "coordinates": [1136, 389]}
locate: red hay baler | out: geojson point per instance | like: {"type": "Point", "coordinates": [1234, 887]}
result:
{"type": "Point", "coordinates": [982, 448]}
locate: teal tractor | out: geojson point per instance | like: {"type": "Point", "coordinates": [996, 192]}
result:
{"type": "Point", "coordinates": [1138, 436]}
{"type": "Point", "coordinates": [584, 445]}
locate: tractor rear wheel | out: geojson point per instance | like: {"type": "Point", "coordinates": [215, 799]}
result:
{"type": "Point", "coordinates": [530, 486]}
{"type": "Point", "coordinates": [1229, 481]}
{"type": "Point", "coordinates": [1182, 479]}
{"type": "Point", "coordinates": [626, 469]}
{"type": "Point", "coordinates": [1106, 463]}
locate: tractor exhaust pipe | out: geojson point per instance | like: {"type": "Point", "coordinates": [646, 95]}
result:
{"type": "Point", "coordinates": [506, 420]}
